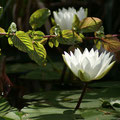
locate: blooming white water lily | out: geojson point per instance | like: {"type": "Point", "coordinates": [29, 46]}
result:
{"type": "Point", "coordinates": [64, 17]}
{"type": "Point", "coordinates": [88, 66]}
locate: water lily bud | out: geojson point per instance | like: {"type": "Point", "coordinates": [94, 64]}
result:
{"type": "Point", "coordinates": [64, 17]}
{"type": "Point", "coordinates": [89, 65]}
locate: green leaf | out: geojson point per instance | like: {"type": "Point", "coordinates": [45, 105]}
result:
{"type": "Point", "coordinates": [1, 10]}
{"type": "Point", "coordinates": [29, 32]}
{"type": "Point", "coordinates": [53, 42]}
{"type": "Point", "coordinates": [39, 37]}
{"type": "Point", "coordinates": [38, 18]}
{"type": "Point", "coordinates": [22, 41]}
{"type": "Point", "coordinates": [4, 106]}
{"type": "Point", "coordinates": [12, 28]}
{"type": "Point", "coordinates": [90, 24]}
{"type": "Point", "coordinates": [69, 37]}
{"type": "Point", "coordinates": [50, 43]}
{"type": "Point", "coordinates": [56, 43]}
{"type": "Point", "coordinates": [111, 43]}
{"type": "Point", "coordinates": [12, 116]}
{"type": "Point", "coordinates": [38, 54]}
{"type": "Point", "coordinates": [52, 30]}
{"type": "Point", "coordinates": [98, 44]}
{"type": "Point", "coordinates": [35, 50]}
{"type": "Point", "coordinates": [53, 21]}
{"type": "Point", "coordinates": [55, 30]}
{"type": "Point", "coordinates": [10, 41]}
{"type": "Point", "coordinates": [76, 23]}
{"type": "Point", "coordinates": [2, 31]}
{"type": "Point", "coordinates": [100, 33]}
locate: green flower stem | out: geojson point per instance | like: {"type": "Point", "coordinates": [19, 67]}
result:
{"type": "Point", "coordinates": [81, 97]}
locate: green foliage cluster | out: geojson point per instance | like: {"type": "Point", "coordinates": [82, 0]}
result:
{"type": "Point", "coordinates": [33, 41]}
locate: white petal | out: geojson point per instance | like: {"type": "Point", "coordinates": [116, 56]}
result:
{"type": "Point", "coordinates": [78, 54]}
{"type": "Point", "coordinates": [74, 69]}
{"type": "Point", "coordinates": [105, 72]}
{"type": "Point", "coordinates": [85, 62]}
{"type": "Point", "coordinates": [104, 65]}
{"type": "Point", "coordinates": [86, 52]}
{"type": "Point", "coordinates": [67, 59]}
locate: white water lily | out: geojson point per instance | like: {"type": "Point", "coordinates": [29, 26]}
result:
{"type": "Point", "coordinates": [64, 17]}
{"type": "Point", "coordinates": [88, 66]}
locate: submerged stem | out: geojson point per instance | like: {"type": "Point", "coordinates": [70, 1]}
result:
{"type": "Point", "coordinates": [81, 97]}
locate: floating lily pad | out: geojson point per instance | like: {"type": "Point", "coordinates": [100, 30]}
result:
{"type": "Point", "coordinates": [59, 105]}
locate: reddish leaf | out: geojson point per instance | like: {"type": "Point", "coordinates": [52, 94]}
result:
{"type": "Point", "coordinates": [111, 43]}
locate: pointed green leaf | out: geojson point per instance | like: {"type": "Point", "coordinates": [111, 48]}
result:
{"type": "Point", "coordinates": [76, 23]}
{"type": "Point", "coordinates": [38, 54]}
{"type": "Point", "coordinates": [22, 41]}
{"type": "Point", "coordinates": [90, 24]}
{"type": "Point", "coordinates": [69, 37]}
{"type": "Point", "coordinates": [38, 18]}
{"type": "Point", "coordinates": [53, 21]}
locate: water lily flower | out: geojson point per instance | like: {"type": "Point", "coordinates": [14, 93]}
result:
{"type": "Point", "coordinates": [64, 17]}
{"type": "Point", "coordinates": [88, 65]}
